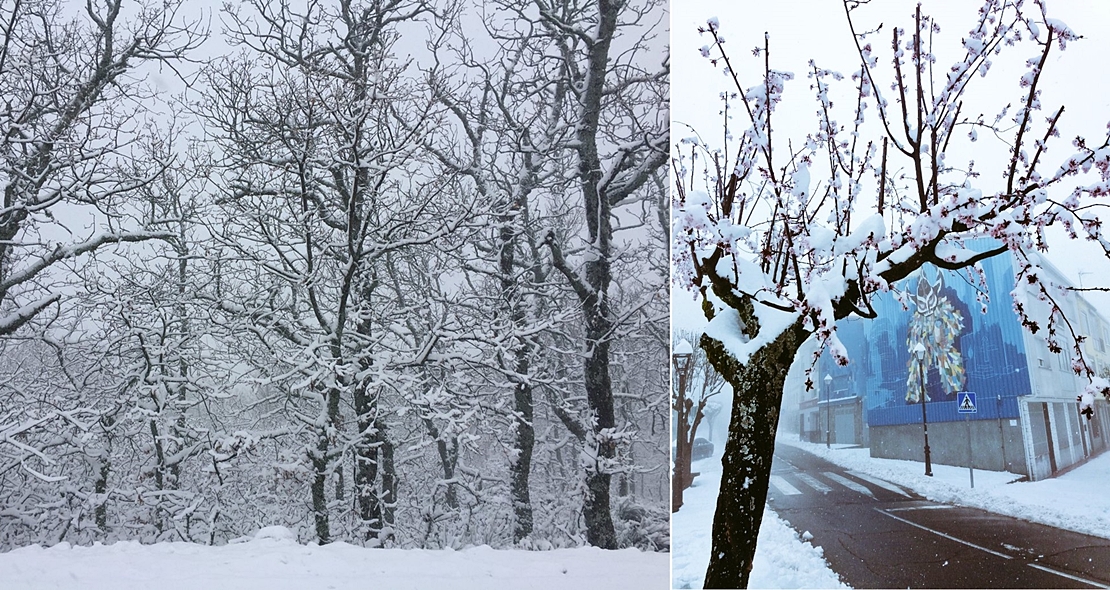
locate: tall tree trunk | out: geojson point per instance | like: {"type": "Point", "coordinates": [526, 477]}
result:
{"type": "Point", "coordinates": [389, 484]}
{"type": "Point", "coordinates": [599, 393]}
{"type": "Point", "coordinates": [100, 486]}
{"type": "Point", "coordinates": [319, 459]}
{"type": "Point", "coordinates": [366, 463]}
{"type": "Point", "coordinates": [322, 465]}
{"type": "Point", "coordinates": [595, 302]}
{"type": "Point", "coordinates": [522, 465]}
{"type": "Point", "coordinates": [596, 434]}
{"type": "Point", "coordinates": [448, 460]}
{"type": "Point", "coordinates": [525, 435]}
{"type": "Point", "coordinates": [369, 438]}
{"type": "Point", "coordinates": [757, 387]}
{"type": "Point", "coordinates": [180, 311]}
{"type": "Point", "coordinates": [159, 471]}
{"type": "Point", "coordinates": [103, 467]}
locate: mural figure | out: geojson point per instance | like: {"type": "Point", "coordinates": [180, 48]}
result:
{"type": "Point", "coordinates": [935, 324]}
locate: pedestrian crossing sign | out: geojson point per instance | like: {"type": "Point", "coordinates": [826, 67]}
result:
{"type": "Point", "coordinates": [966, 402]}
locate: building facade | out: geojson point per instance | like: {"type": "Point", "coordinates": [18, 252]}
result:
{"type": "Point", "coordinates": [1026, 418]}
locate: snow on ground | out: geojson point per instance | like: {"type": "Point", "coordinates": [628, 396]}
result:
{"type": "Point", "coordinates": [1077, 500]}
{"type": "Point", "coordinates": [782, 559]}
{"type": "Point", "coordinates": [272, 561]}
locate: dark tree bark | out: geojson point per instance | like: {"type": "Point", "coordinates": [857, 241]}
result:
{"type": "Point", "coordinates": [593, 295]}
{"type": "Point", "coordinates": [523, 413]}
{"type": "Point", "coordinates": [319, 460]}
{"type": "Point", "coordinates": [746, 472]}
{"type": "Point", "coordinates": [366, 463]}
{"type": "Point", "coordinates": [522, 466]}
{"type": "Point", "coordinates": [390, 483]}
{"type": "Point", "coordinates": [100, 487]}
{"type": "Point", "coordinates": [448, 450]}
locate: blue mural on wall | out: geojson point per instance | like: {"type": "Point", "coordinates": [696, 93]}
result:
{"type": "Point", "coordinates": [966, 350]}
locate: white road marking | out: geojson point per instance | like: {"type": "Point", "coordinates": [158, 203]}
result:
{"type": "Point", "coordinates": [1003, 555]}
{"type": "Point", "coordinates": [926, 507]}
{"type": "Point", "coordinates": [882, 484]}
{"type": "Point", "coordinates": [851, 485]}
{"type": "Point", "coordinates": [946, 536]}
{"type": "Point", "coordinates": [1076, 578]}
{"type": "Point", "coordinates": [784, 486]}
{"type": "Point", "coordinates": [813, 483]}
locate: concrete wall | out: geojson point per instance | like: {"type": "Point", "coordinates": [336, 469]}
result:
{"type": "Point", "coordinates": [992, 448]}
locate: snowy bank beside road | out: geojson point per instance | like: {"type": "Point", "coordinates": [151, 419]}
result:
{"type": "Point", "coordinates": [1077, 501]}
{"type": "Point", "coordinates": [782, 559]}
{"type": "Point", "coordinates": [273, 563]}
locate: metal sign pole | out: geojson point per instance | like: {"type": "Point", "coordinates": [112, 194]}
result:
{"type": "Point", "coordinates": [966, 406]}
{"type": "Point", "coordinates": [970, 468]}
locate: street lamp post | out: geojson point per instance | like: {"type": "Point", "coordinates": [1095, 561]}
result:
{"type": "Point", "coordinates": [919, 352]}
{"type": "Point", "coordinates": [828, 396]}
{"type": "Point", "coordinates": [681, 356]}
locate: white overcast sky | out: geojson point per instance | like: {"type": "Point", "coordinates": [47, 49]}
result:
{"type": "Point", "coordinates": [804, 30]}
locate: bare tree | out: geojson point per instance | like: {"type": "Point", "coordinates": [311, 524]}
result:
{"type": "Point", "coordinates": [68, 123]}
{"type": "Point", "coordinates": [778, 255]}
{"type": "Point", "coordinates": [617, 150]}
{"type": "Point", "coordinates": [696, 374]}
{"type": "Point", "coordinates": [320, 133]}
{"type": "Point", "coordinates": [544, 138]}
{"type": "Point", "coordinates": [74, 115]}
{"type": "Point", "coordinates": [503, 134]}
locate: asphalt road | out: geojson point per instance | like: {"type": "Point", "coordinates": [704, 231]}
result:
{"type": "Point", "coordinates": [878, 535]}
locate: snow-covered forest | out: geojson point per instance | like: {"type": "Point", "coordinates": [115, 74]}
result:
{"type": "Point", "coordinates": [388, 272]}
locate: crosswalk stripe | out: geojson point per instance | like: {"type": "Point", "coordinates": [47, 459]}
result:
{"type": "Point", "coordinates": [784, 486]}
{"type": "Point", "coordinates": [813, 483]}
{"type": "Point", "coordinates": [882, 484]}
{"type": "Point", "coordinates": [851, 485]}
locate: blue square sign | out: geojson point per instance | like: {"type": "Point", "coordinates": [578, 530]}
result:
{"type": "Point", "coordinates": [965, 402]}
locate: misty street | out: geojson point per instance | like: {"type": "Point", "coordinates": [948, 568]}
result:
{"type": "Point", "coordinates": [877, 534]}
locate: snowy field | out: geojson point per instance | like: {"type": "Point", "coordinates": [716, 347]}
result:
{"type": "Point", "coordinates": [782, 559]}
{"type": "Point", "coordinates": [1075, 501]}
{"type": "Point", "coordinates": [276, 563]}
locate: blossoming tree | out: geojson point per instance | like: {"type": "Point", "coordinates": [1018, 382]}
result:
{"type": "Point", "coordinates": [783, 236]}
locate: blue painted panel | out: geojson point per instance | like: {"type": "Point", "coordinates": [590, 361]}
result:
{"type": "Point", "coordinates": [966, 349]}
{"type": "Point", "coordinates": [989, 408]}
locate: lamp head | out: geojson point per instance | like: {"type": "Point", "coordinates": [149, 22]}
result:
{"type": "Point", "coordinates": [682, 354]}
